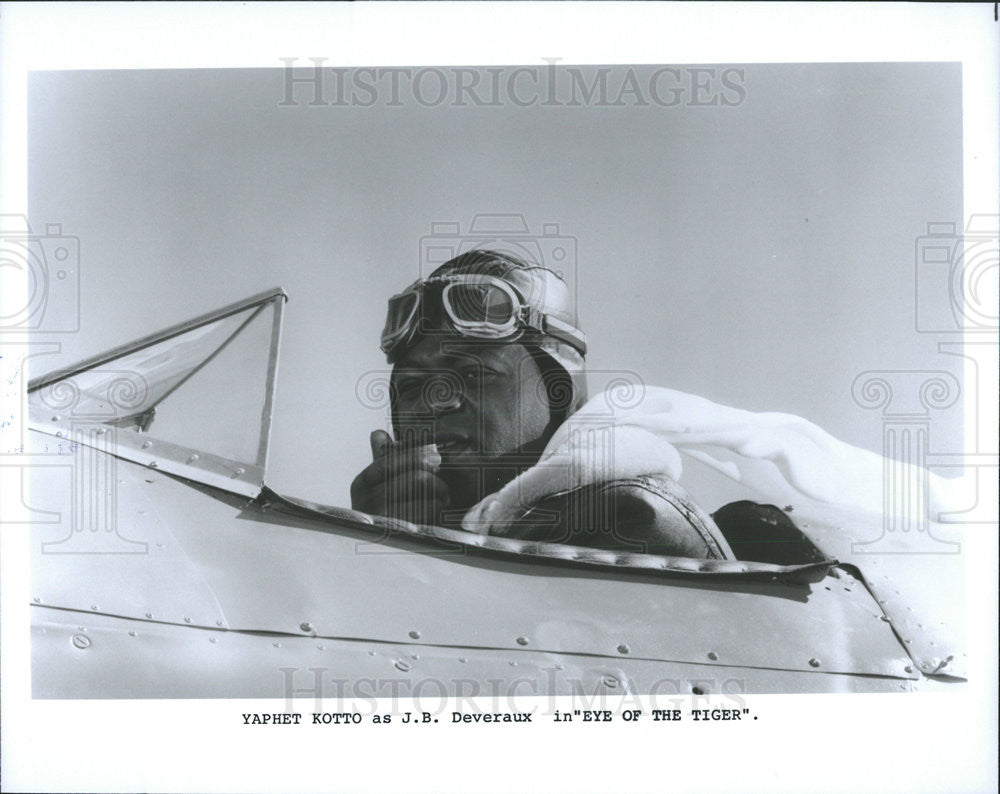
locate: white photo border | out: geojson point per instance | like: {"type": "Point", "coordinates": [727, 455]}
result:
{"type": "Point", "coordinates": [855, 742]}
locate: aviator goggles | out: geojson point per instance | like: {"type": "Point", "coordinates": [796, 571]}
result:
{"type": "Point", "coordinates": [478, 306]}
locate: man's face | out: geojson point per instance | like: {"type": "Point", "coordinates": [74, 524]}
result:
{"type": "Point", "coordinates": [484, 405]}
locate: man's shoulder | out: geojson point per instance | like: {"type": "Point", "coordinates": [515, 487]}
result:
{"type": "Point", "coordinates": [649, 514]}
{"type": "Point", "coordinates": [654, 514]}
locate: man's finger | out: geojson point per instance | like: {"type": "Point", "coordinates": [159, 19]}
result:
{"type": "Point", "coordinates": [386, 497]}
{"type": "Point", "coordinates": [395, 459]}
{"type": "Point", "coordinates": [399, 459]}
{"type": "Point", "coordinates": [415, 487]}
{"type": "Point", "coordinates": [380, 441]}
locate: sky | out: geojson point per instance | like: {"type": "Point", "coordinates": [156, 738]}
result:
{"type": "Point", "coordinates": [760, 251]}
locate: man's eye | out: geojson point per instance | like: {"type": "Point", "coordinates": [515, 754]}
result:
{"type": "Point", "coordinates": [472, 374]}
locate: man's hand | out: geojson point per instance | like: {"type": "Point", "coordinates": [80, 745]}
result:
{"type": "Point", "coordinates": [401, 482]}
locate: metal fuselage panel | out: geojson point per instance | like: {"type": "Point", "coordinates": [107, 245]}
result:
{"type": "Point", "coordinates": [89, 655]}
{"type": "Point", "coordinates": [186, 591]}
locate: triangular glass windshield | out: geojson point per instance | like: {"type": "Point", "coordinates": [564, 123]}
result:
{"type": "Point", "coordinates": [203, 386]}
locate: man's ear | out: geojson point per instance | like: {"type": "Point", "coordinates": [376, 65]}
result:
{"type": "Point", "coordinates": [558, 389]}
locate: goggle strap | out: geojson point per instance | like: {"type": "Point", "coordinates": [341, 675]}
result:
{"type": "Point", "coordinates": [534, 318]}
{"type": "Point", "coordinates": [553, 326]}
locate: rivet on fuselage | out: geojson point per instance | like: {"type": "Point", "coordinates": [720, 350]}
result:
{"type": "Point", "coordinates": [415, 635]}
{"type": "Point", "coordinates": [147, 444]}
{"type": "Point", "coordinates": [80, 641]}
{"type": "Point", "coordinates": [814, 662]}
{"type": "Point", "coordinates": [402, 666]}
{"type": "Point", "coordinates": [239, 472]}
{"type": "Point", "coordinates": [306, 625]}
{"type": "Point", "coordinates": [623, 648]}
{"type": "Point", "coordinates": [522, 640]}
{"type": "Point", "coordinates": [610, 681]}
{"type": "Point", "coordinates": [187, 620]}
{"type": "Point", "coordinates": [713, 656]}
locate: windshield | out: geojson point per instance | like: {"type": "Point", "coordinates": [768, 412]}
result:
{"type": "Point", "coordinates": [197, 394]}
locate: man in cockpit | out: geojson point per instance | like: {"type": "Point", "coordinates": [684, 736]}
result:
{"type": "Point", "coordinates": [488, 362]}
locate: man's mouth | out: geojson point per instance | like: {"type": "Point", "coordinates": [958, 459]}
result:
{"type": "Point", "coordinates": [448, 443]}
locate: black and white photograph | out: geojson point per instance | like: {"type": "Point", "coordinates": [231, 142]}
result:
{"type": "Point", "coordinates": [608, 383]}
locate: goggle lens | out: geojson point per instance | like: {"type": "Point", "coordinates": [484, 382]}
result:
{"type": "Point", "coordinates": [399, 317]}
{"type": "Point", "coordinates": [481, 303]}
